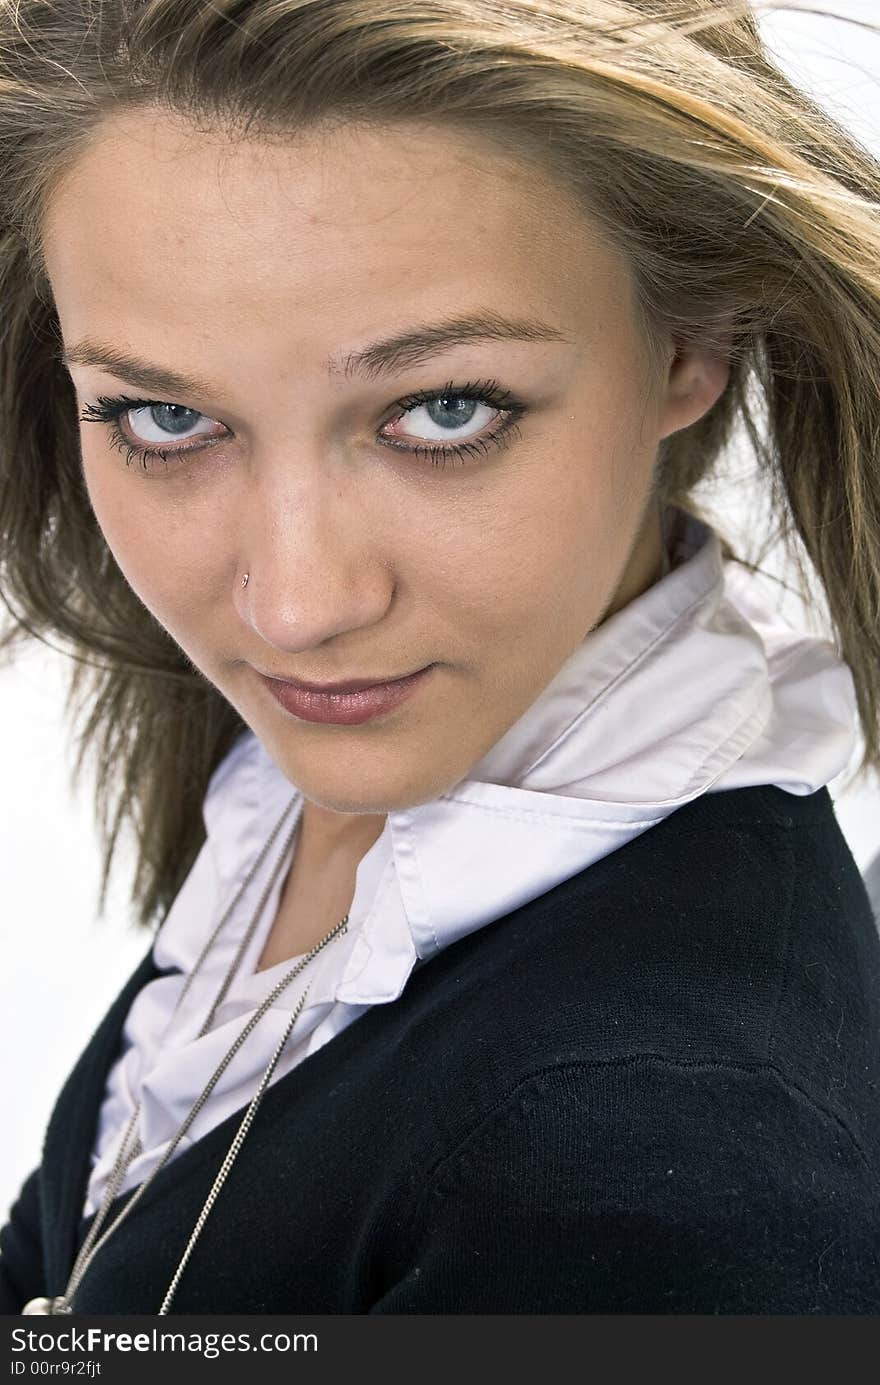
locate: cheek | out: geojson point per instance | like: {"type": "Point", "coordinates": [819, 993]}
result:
{"type": "Point", "coordinates": [159, 558]}
{"type": "Point", "coordinates": [543, 537]}
{"type": "Point", "coordinates": [539, 559]}
{"type": "Point", "coordinates": [118, 515]}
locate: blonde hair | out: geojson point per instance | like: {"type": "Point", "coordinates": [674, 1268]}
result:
{"type": "Point", "coordinates": [747, 214]}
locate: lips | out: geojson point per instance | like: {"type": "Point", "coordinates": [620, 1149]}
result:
{"type": "Point", "coordinates": [350, 685]}
{"type": "Point", "coordinates": [348, 708]}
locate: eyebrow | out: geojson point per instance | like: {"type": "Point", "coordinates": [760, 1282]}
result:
{"type": "Point", "coordinates": [403, 350]}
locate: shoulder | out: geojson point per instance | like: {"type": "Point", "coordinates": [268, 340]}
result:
{"type": "Point", "coordinates": [646, 1185]}
{"type": "Point", "coordinates": [738, 935]}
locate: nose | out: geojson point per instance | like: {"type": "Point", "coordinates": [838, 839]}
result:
{"type": "Point", "coordinates": [312, 551]}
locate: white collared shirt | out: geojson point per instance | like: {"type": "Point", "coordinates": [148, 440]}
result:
{"type": "Point", "coordinates": [696, 686]}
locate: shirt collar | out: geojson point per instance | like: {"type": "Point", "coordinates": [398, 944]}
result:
{"type": "Point", "coordinates": [695, 686]}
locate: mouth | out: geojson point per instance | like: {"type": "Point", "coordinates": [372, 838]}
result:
{"type": "Point", "coordinates": [348, 708]}
{"type": "Point", "coordinates": [349, 685]}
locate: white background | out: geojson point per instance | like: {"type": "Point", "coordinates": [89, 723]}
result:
{"type": "Point", "coordinates": [61, 965]}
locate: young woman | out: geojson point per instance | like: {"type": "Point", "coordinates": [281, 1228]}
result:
{"type": "Point", "coordinates": [347, 343]}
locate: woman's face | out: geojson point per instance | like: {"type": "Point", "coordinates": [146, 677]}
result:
{"type": "Point", "coordinates": [260, 269]}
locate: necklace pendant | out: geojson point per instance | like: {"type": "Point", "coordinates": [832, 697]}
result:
{"type": "Point", "coordinates": [48, 1306]}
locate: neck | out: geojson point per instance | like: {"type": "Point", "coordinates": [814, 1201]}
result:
{"type": "Point", "coordinates": [325, 835]}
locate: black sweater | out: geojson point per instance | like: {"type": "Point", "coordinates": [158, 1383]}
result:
{"type": "Point", "coordinates": [653, 1089]}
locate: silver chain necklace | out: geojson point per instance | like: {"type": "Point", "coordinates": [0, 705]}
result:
{"type": "Point", "coordinates": [63, 1303]}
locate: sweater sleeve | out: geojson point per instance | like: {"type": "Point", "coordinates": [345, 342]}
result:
{"type": "Point", "coordinates": [21, 1255]}
{"type": "Point", "coordinates": [642, 1185]}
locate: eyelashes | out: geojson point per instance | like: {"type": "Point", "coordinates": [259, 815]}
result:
{"type": "Point", "coordinates": [109, 410]}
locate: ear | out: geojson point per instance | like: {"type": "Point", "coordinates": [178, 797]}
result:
{"type": "Point", "coordinates": [696, 379]}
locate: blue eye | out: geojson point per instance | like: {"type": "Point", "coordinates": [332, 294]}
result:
{"type": "Point", "coordinates": [447, 402]}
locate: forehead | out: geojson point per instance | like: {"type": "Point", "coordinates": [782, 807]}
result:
{"type": "Point", "coordinates": [159, 223]}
